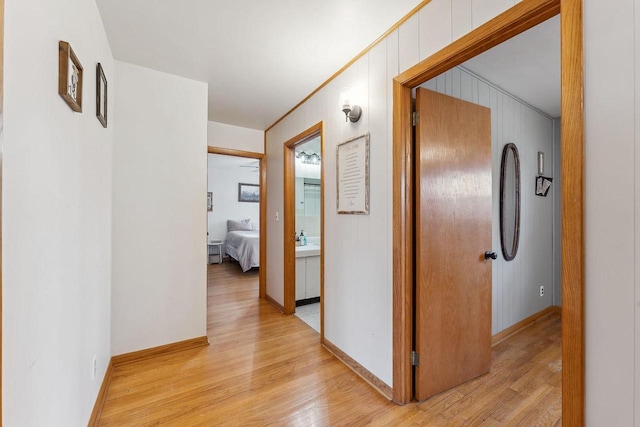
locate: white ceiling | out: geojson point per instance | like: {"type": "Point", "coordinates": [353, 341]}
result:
{"type": "Point", "coordinates": [526, 66]}
{"type": "Point", "coordinates": [260, 58]}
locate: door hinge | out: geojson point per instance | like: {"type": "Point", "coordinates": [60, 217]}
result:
{"type": "Point", "coordinates": [415, 359]}
{"type": "Point", "coordinates": [415, 117]}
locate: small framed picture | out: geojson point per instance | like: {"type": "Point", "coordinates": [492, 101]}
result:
{"type": "Point", "coordinates": [101, 95]}
{"type": "Point", "coordinates": [210, 201]}
{"type": "Point", "coordinates": [69, 77]}
{"type": "Point", "coordinates": [248, 193]}
{"type": "Point", "coordinates": [543, 184]}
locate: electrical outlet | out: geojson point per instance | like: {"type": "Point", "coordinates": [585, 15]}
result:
{"type": "Point", "coordinates": [94, 367]}
{"type": "Point", "coordinates": [541, 291]}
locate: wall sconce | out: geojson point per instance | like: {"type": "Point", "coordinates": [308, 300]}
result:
{"type": "Point", "coordinates": [309, 159]}
{"type": "Point", "coordinates": [540, 163]}
{"type": "Point", "coordinates": [352, 112]}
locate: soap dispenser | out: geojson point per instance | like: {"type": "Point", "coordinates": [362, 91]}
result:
{"type": "Point", "coordinates": [303, 238]}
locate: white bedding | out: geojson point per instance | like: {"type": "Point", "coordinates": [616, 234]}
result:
{"type": "Point", "coordinates": [244, 246]}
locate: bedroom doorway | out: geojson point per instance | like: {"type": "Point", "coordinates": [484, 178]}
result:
{"type": "Point", "coordinates": [234, 181]}
{"type": "Point", "coordinates": [303, 227]}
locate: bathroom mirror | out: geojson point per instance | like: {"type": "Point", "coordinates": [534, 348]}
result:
{"type": "Point", "coordinates": [510, 201]}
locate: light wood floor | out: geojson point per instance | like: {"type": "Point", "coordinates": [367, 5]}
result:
{"type": "Point", "coordinates": [264, 368]}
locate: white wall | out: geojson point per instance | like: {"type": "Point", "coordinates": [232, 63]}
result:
{"type": "Point", "coordinates": [56, 228]}
{"type": "Point", "coordinates": [358, 247]}
{"type": "Point", "coordinates": [612, 117]}
{"type": "Point", "coordinates": [612, 113]}
{"type": "Point", "coordinates": [222, 135]}
{"type": "Point", "coordinates": [159, 209]}
{"type": "Point", "coordinates": [557, 211]}
{"type": "Point", "coordinates": [225, 173]}
{"type": "Point", "coordinates": [516, 283]}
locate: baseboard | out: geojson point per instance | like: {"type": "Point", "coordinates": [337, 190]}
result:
{"type": "Point", "coordinates": [274, 303]}
{"type": "Point", "coordinates": [360, 370]}
{"type": "Point", "coordinates": [102, 395]}
{"type": "Point", "coordinates": [149, 353]}
{"type": "Point", "coordinates": [123, 359]}
{"type": "Point", "coordinates": [301, 302]}
{"type": "Point", "coordinates": [514, 329]}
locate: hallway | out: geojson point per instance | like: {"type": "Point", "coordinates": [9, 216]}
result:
{"type": "Point", "coordinates": [263, 368]}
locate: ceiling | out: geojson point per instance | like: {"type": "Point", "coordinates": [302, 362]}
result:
{"type": "Point", "coordinates": [526, 66]}
{"type": "Point", "coordinates": [260, 58]}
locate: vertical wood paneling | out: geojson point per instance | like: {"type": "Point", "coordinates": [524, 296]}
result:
{"type": "Point", "coordinates": [461, 20]}
{"type": "Point", "coordinates": [557, 209]}
{"type": "Point", "coordinates": [409, 43]}
{"type": "Point", "coordinates": [484, 10]}
{"type": "Point", "coordinates": [515, 283]}
{"type": "Point", "coordinates": [435, 27]}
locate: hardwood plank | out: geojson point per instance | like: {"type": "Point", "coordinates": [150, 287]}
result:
{"type": "Point", "coordinates": [266, 368]}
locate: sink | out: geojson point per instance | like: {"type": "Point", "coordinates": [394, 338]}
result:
{"type": "Point", "coordinates": [311, 249]}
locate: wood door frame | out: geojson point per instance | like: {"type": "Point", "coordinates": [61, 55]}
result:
{"type": "Point", "coordinates": [263, 207]}
{"type": "Point", "coordinates": [515, 20]}
{"type": "Point", "coordinates": [289, 220]}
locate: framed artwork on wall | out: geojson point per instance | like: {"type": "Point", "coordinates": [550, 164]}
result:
{"type": "Point", "coordinates": [248, 193]}
{"type": "Point", "coordinates": [353, 176]}
{"type": "Point", "coordinates": [69, 76]}
{"type": "Point", "coordinates": [101, 95]}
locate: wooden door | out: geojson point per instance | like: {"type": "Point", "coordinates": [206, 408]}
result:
{"type": "Point", "coordinates": [453, 231]}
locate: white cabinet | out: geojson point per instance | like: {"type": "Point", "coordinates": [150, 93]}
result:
{"type": "Point", "coordinates": [301, 275]}
{"type": "Point", "coordinates": [312, 276]}
{"type": "Point", "coordinates": [307, 277]}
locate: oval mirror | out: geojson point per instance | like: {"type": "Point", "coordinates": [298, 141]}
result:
{"type": "Point", "coordinates": [510, 201]}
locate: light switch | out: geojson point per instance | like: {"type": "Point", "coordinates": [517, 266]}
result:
{"type": "Point", "coordinates": [277, 216]}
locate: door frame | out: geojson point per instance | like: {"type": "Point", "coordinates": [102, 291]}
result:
{"type": "Point", "coordinates": [512, 22]}
{"type": "Point", "coordinates": [289, 220]}
{"type": "Point", "coordinates": [263, 207]}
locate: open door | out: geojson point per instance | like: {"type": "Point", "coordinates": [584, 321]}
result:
{"type": "Point", "coordinates": [453, 231]}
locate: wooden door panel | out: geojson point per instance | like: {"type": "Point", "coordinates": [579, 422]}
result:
{"type": "Point", "coordinates": [453, 230]}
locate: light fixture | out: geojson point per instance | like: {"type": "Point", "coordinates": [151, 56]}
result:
{"type": "Point", "coordinates": [309, 159]}
{"type": "Point", "coordinates": [352, 112]}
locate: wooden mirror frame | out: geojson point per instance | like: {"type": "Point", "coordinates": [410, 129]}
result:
{"type": "Point", "coordinates": [509, 249]}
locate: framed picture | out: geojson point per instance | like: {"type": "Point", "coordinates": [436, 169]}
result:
{"type": "Point", "coordinates": [210, 201]}
{"type": "Point", "coordinates": [69, 77]}
{"type": "Point", "coordinates": [101, 95]}
{"type": "Point", "coordinates": [543, 184]}
{"type": "Point", "coordinates": [248, 193]}
{"type": "Point", "coordinates": [353, 176]}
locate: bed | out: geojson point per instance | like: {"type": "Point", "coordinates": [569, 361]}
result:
{"type": "Point", "coordinates": [244, 247]}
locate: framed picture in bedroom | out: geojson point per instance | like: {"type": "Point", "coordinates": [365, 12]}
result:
{"type": "Point", "coordinates": [248, 193]}
{"type": "Point", "coordinates": [69, 76]}
{"type": "Point", "coordinates": [101, 95]}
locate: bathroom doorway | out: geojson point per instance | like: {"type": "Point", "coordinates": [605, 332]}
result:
{"type": "Point", "coordinates": [303, 227]}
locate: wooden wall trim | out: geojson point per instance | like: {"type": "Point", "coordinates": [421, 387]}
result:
{"type": "Point", "coordinates": [234, 152]}
{"type": "Point", "coordinates": [102, 396]}
{"type": "Point", "coordinates": [524, 323]}
{"type": "Point", "coordinates": [517, 19]}
{"type": "Point", "coordinates": [274, 303]}
{"type": "Point", "coordinates": [360, 370]}
{"type": "Point", "coordinates": [289, 215]}
{"type": "Point", "coordinates": [512, 22]}
{"type": "Point", "coordinates": [350, 63]}
{"type": "Point", "coordinates": [148, 353]}
{"type": "Point", "coordinates": [572, 171]}
{"type": "Point", "coordinates": [402, 243]}
{"type": "Point", "coordinates": [262, 278]}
